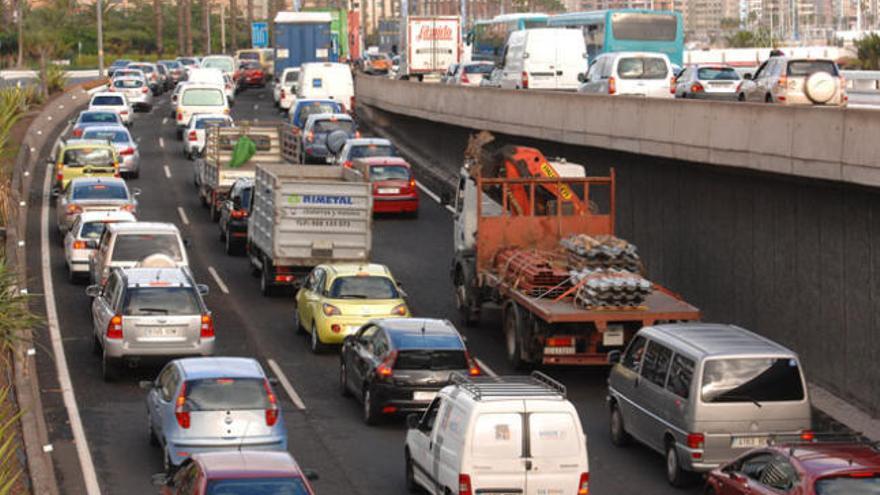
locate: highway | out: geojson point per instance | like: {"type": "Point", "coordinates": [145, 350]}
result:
{"type": "Point", "coordinates": [328, 435]}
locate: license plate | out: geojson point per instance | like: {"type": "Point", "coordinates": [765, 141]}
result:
{"type": "Point", "coordinates": [612, 337]}
{"type": "Point", "coordinates": [748, 442]}
{"type": "Point", "coordinates": [161, 332]}
{"type": "Point", "coordinates": [425, 396]}
{"type": "Point", "coordinates": [389, 190]}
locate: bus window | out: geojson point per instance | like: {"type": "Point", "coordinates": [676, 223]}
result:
{"type": "Point", "coordinates": [643, 27]}
{"type": "Point", "coordinates": [594, 38]}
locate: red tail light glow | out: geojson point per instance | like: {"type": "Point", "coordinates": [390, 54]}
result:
{"type": "Point", "coordinates": [238, 214]}
{"type": "Point", "coordinates": [128, 207]}
{"type": "Point", "coordinates": [127, 151]}
{"type": "Point", "coordinates": [465, 79]}
{"type": "Point", "coordinates": [114, 328]}
{"type": "Point", "coordinates": [77, 133]}
{"type": "Point", "coordinates": [193, 136]}
{"type": "Point", "coordinates": [180, 413]}
{"type": "Point", "coordinates": [612, 85]}
{"type": "Point", "coordinates": [79, 244]}
{"type": "Point", "coordinates": [464, 485]}
{"type": "Point", "coordinates": [272, 411]}
{"type": "Point", "coordinates": [696, 88]}
{"type": "Point", "coordinates": [74, 209]}
{"type": "Point", "coordinates": [386, 368]}
{"type": "Point", "coordinates": [672, 85]}
{"type": "Point", "coordinates": [584, 484]}
{"type": "Point", "coordinates": [524, 82]}
{"type": "Point", "coordinates": [473, 366]}
{"type": "Point", "coordinates": [283, 94]}
{"type": "Point", "coordinates": [207, 329]}
{"type": "Point", "coordinates": [808, 435]}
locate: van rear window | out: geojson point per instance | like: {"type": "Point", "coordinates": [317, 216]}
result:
{"type": "Point", "coordinates": [642, 68]}
{"type": "Point", "coordinates": [163, 301]}
{"type": "Point", "coordinates": [752, 380]}
{"type": "Point", "coordinates": [135, 247]}
{"type": "Point", "coordinates": [203, 97]}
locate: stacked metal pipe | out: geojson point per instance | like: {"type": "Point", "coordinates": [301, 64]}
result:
{"type": "Point", "coordinates": [601, 251]}
{"type": "Point", "coordinates": [610, 288]}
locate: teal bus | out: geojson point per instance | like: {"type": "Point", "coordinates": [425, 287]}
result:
{"type": "Point", "coordinates": [488, 37]}
{"type": "Point", "coordinates": [627, 30]}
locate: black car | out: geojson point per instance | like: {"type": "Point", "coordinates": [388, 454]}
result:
{"type": "Point", "coordinates": [397, 365]}
{"type": "Point", "coordinates": [234, 215]}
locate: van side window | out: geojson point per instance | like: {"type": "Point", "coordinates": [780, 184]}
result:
{"type": "Point", "coordinates": [633, 357]}
{"type": "Point", "coordinates": [656, 363]}
{"type": "Point", "coordinates": [681, 373]}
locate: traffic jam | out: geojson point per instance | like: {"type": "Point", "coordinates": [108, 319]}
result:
{"type": "Point", "coordinates": [302, 196]}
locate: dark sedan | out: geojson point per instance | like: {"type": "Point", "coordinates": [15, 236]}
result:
{"type": "Point", "coordinates": [234, 215]}
{"type": "Point", "coordinates": [237, 472]}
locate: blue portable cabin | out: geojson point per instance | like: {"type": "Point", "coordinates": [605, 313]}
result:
{"type": "Point", "coordinates": [302, 37]}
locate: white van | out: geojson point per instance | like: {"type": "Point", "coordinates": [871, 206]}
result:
{"type": "Point", "coordinates": [223, 62]}
{"type": "Point", "coordinates": [630, 73]}
{"type": "Point", "coordinates": [546, 58]}
{"type": "Point", "coordinates": [199, 98]}
{"type": "Point", "coordinates": [498, 435]}
{"type": "Point", "coordinates": [327, 80]}
{"type": "Point", "coordinates": [207, 76]}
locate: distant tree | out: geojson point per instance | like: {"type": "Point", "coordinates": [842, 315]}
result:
{"type": "Point", "coordinates": [749, 39]}
{"type": "Point", "coordinates": [729, 23]}
{"type": "Point", "coordinates": [157, 14]}
{"type": "Point", "coordinates": [868, 50]}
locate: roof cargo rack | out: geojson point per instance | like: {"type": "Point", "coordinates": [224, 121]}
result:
{"type": "Point", "coordinates": [535, 385]}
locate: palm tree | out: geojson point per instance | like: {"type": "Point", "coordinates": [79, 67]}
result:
{"type": "Point", "coordinates": [157, 13]}
{"type": "Point", "coordinates": [187, 21]}
{"type": "Point", "coordinates": [206, 27]}
{"type": "Point", "coordinates": [181, 37]}
{"type": "Point", "coordinates": [233, 26]}
{"type": "Point", "coordinates": [250, 15]}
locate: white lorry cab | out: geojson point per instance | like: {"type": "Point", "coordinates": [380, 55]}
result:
{"type": "Point", "coordinates": [546, 58]}
{"type": "Point", "coordinates": [498, 435]}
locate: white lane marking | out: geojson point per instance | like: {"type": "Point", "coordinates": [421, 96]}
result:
{"type": "Point", "coordinates": [183, 217]}
{"type": "Point", "coordinates": [164, 120]}
{"type": "Point", "coordinates": [256, 106]}
{"type": "Point", "coordinates": [161, 142]}
{"type": "Point", "coordinates": [431, 194]}
{"type": "Point", "coordinates": [285, 384]}
{"type": "Point", "coordinates": [90, 477]}
{"type": "Point", "coordinates": [486, 368]}
{"type": "Point", "coordinates": [217, 279]}
{"type": "Point", "coordinates": [167, 171]}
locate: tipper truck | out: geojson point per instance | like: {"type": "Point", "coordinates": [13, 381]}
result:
{"type": "Point", "coordinates": [274, 143]}
{"type": "Point", "coordinates": [536, 238]}
{"type": "Point", "coordinates": [303, 216]}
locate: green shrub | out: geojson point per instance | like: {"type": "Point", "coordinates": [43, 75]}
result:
{"type": "Point", "coordinates": [56, 78]}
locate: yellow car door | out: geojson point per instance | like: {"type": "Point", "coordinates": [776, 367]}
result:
{"type": "Point", "coordinates": [308, 298]}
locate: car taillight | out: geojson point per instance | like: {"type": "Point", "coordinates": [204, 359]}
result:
{"type": "Point", "coordinates": [696, 88]}
{"type": "Point", "coordinates": [180, 413]}
{"type": "Point", "coordinates": [399, 310]}
{"type": "Point", "coordinates": [386, 367]}
{"type": "Point", "coordinates": [193, 136]}
{"type": "Point", "coordinates": [464, 485]}
{"type": "Point", "coordinates": [179, 115]}
{"type": "Point", "coordinates": [144, 90]}
{"type": "Point", "coordinates": [127, 151]}
{"type": "Point", "coordinates": [464, 79]}
{"type": "Point", "coordinates": [79, 244]}
{"type": "Point", "coordinates": [524, 82]}
{"type": "Point", "coordinates": [207, 328]}
{"type": "Point", "coordinates": [111, 90]}
{"type": "Point", "coordinates": [347, 164]}
{"type": "Point", "coordinates": [114, 327]}
{"type": "Point", "coordinates": [330, 310]}
{"type": "Point", "coordinates": [473, 367]}
{"type": "Point", "coordinates": [77, 133]}
{"type": "Point", "coordinates": [239, 214]}
{"type": "Point", "coordinates": [808, 435]}
{"type": "Point", "coordinates": [226, 111]}
{"type": "Point", "coordinates": [128, 208]}
{"type": "Point", "coordinates": [59, 177]}
{"type": "Point", "coordinates": [672, 85]}
{"type": "Point", "coordinates": [357, 134]}
{"type": "Point", "coordinates": [782, 82]}
{"type": "Point", "coordinates": [283, 94]}
{"type": "Point", "coordinates": [272, 410]}
{"type": "Point", "coordinates": [124, 112]}
{"type": "Point", "coordinates": [584, 484]}
{"type": "Point", "coordinates": [412, 184]}
{"type": "Point", "coordinates": [696, 441]}
{"type": "Point", "coordinates": [612, 85]}
{"type": "Point", "coordinates": [311, 136]}
{"type": "Point", "coordinates": [74, 209]}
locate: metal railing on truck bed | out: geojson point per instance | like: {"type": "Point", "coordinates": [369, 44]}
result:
{"type": "Point", "coordinates": [274, 142]}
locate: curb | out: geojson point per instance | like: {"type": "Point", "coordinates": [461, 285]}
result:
{"type": "Point", "coordinates": [27, 390]}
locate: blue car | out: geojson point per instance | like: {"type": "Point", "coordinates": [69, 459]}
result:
{"type": "Point", "coordinates": [208, 404]}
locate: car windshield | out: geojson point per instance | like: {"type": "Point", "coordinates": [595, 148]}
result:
{"type": "Point", "coordinates": [849, 485]}
{"type": "Point", "coordinates": [224, 394]}
{"type": "Point", "coordinates": [99, 117]}
{"type": "Point", "coordinates": [478, 69]}
{"type": "Point", "coordinates": [251, 66]}
{"type": "Point", "coordinates": [642, 68]}
{"type": "Point", "coordinates": [717, 74]}
{"type": "Point", "coordinates": [249, 56]}
{"type": "Point", "coordinates": [346, 126]}
{"type": "Point", "coordinates": [99, 191]}
{"type": "Point", "coordinates": [258, 486]}
{"type": "Point", "coordinates": [807, 67]}
{"type": "Point", "coordinates": [224, 64]}
{"type": "Point", "coordinates": [108, 100]}
{"type": "Point", "coordinates": [430, 359]}
{"type": "Point", "coordinates": [128, 83]}
{"type": "Point", "coordinates": [135, 247]}
{"type": "Point", "coordinates": [203, 97]}
{"type": "Point", "coordinates": [146, 69]}
{"type": "Point", "coordinates": [388, 172]}
{"type": "Point", "coordinates": [158, 300]}
{"type": "Point", "coordinates": [203, 123]}
{"type": "Point", "coordinates": [171, 64]}
{"type": "Point", "coordinates": [752, 380]}
{"type": "Point", "coordinates": [315, 108]}
{"type": "Point", "coordinates": [363, 287]}
{"type": "Point", "coordinates": [370, 150]}
{"type": "Point", "coordinates": [81, 157]}
{"type": "Point", "coordinates": [116, 136]}
{"type": "Point", "coordinates": [187, 61]}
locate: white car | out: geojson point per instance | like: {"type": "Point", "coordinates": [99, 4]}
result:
{"type": "Point", "coordinates": [288, 78]}
{"type": "Point", "coordinates": [199, 98]}
{"type": "Point", "coordinates": [125, 245]}
{"type": "Point", "coordinates": [105, 100]}
{"type": "Point", "coordinates": [229, 88]}
{"type": "Point", "coordinates": [500, 435]}
{"type": "Point", "coordinates": [194, 135]}
{"type": "Point", "coordinates": [630, 73]}
{"type": "Point", "coordinates": [129, 73]}
{"type": "Point", "coordinates": [135, 90]}
{"type": "Point", "coordinates": [82, 238]}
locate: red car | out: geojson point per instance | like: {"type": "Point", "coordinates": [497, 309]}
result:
{"type": "Point", "coordinates": [805, 468]}
{"type": "Point", "coordinates": [238, 472]}
{"type": "Point", "coordinates": [394, 187]}
{"type": "Point", "coordinates": [251, 74]}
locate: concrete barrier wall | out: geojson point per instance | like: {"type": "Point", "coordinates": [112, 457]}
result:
{"type": "Point", "coordinates": [815, 142]}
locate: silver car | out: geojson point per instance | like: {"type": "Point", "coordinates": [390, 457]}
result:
{"type": "Point", "coordinates": [199, 405]}
{"type": "Point", "coordinates": [139, 95]}
{"type": "Point", "coordinates": [93, 194]}
{"type": "Point", "coordinates": [152, 74]}
{"type": "Point", "coordinates": [82, 238]}
{"type": "Point", "coordinates": [126, 147]}
{"type": "Point", "coordinates": [708, 82]}
{"type": "Point", "coordinates": [149, 313]}
{"type": "Point", "coordinates": [88, 118]}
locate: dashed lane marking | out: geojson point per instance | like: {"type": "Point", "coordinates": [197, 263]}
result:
{"type": "Point", "coordinates": [285, 384]}
{"type": "Point", "coordinates": [183, 217]}
{"type": "Point", "coordinates": [431, 194]}
{"type": "Point", "coordinates": [218, 280]}
{"type": "Point", "coordinates": [167, 171]}
{"type": "Point", "coordinates": [161, 143]}
{"type": "Point", "coordinates": [486, 368]}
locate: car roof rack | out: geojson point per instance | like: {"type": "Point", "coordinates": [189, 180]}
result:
{"type": "Point", "coordinates": [535, 385]}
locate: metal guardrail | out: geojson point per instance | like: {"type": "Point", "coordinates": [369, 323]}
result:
{"type": "Point", "coordinates": [862, 80]}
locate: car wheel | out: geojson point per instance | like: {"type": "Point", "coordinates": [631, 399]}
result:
{"type": "Point", "coordinates": [317, 346]}
{"type": "Point", "coordinates": [619, 436]}
{"type": "Point", "coordinates": [741, 97]}
{"type": "Point", "coordinates": [343, 380]}
{"type": "Point", "coordinates": [371, 416]}
{"type": "Point", "coordinates": [109, 369]}
{"type": "Point", "coordinates": [674, 474]}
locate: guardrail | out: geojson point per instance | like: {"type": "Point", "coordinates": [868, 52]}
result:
{"type": "Point", "coordinates": [862, 80]}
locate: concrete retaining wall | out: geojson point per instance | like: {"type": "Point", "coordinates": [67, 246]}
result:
{"type": "Point", "coordinates": [815, 142]}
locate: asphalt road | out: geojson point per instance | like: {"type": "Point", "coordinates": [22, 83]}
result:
{"type": "Point", "coordinates": [328, 436]}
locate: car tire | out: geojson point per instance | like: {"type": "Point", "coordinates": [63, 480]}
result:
{"type": "Point", "coordinates": [513, 337]}
{"type": "Point", "coordinates": [619, 436]}
{"type": "Point", "coordinates": [741, 97]}
{"type": "Point", "coordinates": [675, 475]}
{"type": "Point", "coordinates": [109, 368]}
{"type": "Point", "coordinates": [343, 381]}
{"type": "Point", "coordinates": [316, 346]}
{"type": "Point", "coordinates": [371, 415]}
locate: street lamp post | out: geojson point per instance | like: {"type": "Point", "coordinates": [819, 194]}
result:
{"type": "Point", "coordinates": [100, 13]}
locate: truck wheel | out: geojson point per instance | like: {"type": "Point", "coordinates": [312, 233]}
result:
{"type": "Point", "coordinates": [513, 331]}
{"type": "Point", "coordinates": [468, 312]}
{"type": "Point", "coordinates": [266, 288]}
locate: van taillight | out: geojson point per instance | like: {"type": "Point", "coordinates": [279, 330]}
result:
{"type": "Point", "coordinates": [524, 82]}
{"type": "Point", "coordinates": [180, 413]}
{"type": "Point", "coordinates": [672, 85]}
{"type": "Point", "coordinates": [272, 410]}
{"type": "Point", "coordinates": [192, 136]}
{"type": "Point", "coordinates": [612, 85]}
{"type": "Point", "coordinates": [695, 440]}
{"type": "Point", "coordinates": [584, 484]}
{"type": "Point", "coordinates": [114, 328]}
{"type": "Point", "coordinates": [808, 435]}
{"type": "Point", "coordinates": [464, 484]}
{"type": "Point", "coordinates": [473, 367]}
{"type": "Point", "coordinates": [386, 368]}
{"type": "Point", "coordinates": [207, 329]}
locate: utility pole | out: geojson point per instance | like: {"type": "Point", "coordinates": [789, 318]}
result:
{"type": "Point", "coordinates": [222, 27]}
{"type": "Point", "coordinates": [206, 26]}
{"type": "Point", "coordinates": [181, 37]}
{"type": "Point", "coordinates": [100, 7]}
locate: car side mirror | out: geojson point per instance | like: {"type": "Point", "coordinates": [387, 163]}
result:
{"type": "Point", "coordinates": [147, 384]}
{"type": "Point", "coordinates": [748, 76]}
{"type": "Point", "coordinates": [136, 191]}
{"type": "Point", "coordinates": [412, 421]}
{"type": "Point", "coordinates": [613, 357]}
{"type": "Point", "coordinates": [160, 480]}
{"type": "Point", "coordinates": [581, 77]}
{"type": "Point", "coordinates": [310, 474]}
{"type": "Point", "coordinates": [203, 289]}
{"type": "Point", "coordinates": [93, 290]}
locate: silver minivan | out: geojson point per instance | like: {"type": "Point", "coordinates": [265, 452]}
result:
{"type": "Point", "coordinates": [704, 393]}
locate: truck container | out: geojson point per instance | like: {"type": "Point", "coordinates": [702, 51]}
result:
{"type": "Point", "coordinates": [303, 216]}
{"type": "Point", "coordinates": [302, 37]}
{"type": "Point", "coordinates": [522, 220]}
{"type": "Point", "coordinates": [275, 143]}
{"type": "Point", "coordinates": [338, 30]}
{"type": "Point", "coordinates": [432, 44]}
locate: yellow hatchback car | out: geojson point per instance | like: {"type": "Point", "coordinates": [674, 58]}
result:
{"type": "Point", "coordinates": [85, 158]}
{"type": "Point", "coordinates": [336, 300]}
